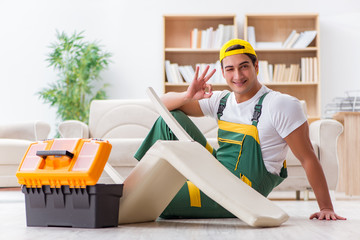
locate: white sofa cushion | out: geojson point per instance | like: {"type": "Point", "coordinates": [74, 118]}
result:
{"type": "Point", "coordinates": [13, 150]}
{"type": "Point", "coordinates": [121, 119]}
{"type": "Point", "coordinates": [123, 150]}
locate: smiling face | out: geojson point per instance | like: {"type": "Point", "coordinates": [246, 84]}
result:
{"type": "Point", "coordinates": [241, 76]}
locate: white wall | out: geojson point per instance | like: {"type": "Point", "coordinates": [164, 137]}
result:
{"type": "Point", "coordinates": [132, 31]}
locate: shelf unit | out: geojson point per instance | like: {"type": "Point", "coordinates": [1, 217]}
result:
{"type": "Point", "coordinates": [276, 28]}
{"type": "Point", "coordinates": [177, 43]}
{"type": "Point", "coordinates": [268, 27]}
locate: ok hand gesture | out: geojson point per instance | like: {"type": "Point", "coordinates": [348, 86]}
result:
{"type": "Point", "coordinates": [199, 88]}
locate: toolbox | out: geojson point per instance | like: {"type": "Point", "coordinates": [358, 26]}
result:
{"type": "Point", "coordinates": [59, 179]}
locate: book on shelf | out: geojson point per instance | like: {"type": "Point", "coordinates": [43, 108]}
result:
{"type": "Point", "coordinates": [286, 42]}
{"type": "Point", "coordinates": [303, 74]}
{"type": "Point", "coordinates": [187, 73]}
{"type": "Point", "coordinates": [198, 40]}
{"type": "Point", "coordinates": [211, 38]}
{"type": "Point", "coordinates": [203, 39]}
{"type": "Point", "coordinates": [294, 73]}
{"type": "Point", "coordinates": [271, 72]}
{"type": "Point", "coordinates": [264, 75]}
{"type": "Point", "coordinates": [260, 75]}
{"type": "Point", "coordinates": [251, 36]}
{"type": "Point", "coordinates": [286, 74]}
{"type": "Point", "coordinates": [169, 75]}
{"type": "Point", "coordinates": [306, 70]}
{"type": "Point", "coordinates": [176, 72]}
{"type": "Point", "coordinates": [293, 40]}
{"type": "Point", "coordinates": [279, 72]}
{"type": "Point", "coordinates": [172, 72]}
{"type": "Point", "coordinates": [194, 37]}
{"type": "Point", "coordinates": [305, 39]}
{"type": "Point", "coordinates": [316, 70]}
{"type": "Point", "coordinates": [309, 70]}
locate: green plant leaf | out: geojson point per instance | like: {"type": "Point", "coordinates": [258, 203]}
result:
{"type": "Point", "coordinates": [79, 64]}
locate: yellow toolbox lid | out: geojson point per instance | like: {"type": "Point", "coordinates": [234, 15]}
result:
{"type": "Point", "coordinates": [74, 162]}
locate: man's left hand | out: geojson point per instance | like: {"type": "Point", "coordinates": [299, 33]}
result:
{"type": "Point", "coordinates": [327, 214]}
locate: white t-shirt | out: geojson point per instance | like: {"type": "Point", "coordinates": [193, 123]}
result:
{"type": "Point", "coordinates": [281, 115]}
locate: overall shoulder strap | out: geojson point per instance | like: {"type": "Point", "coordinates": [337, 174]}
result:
{"type": "Point", "coordinates": [257, 110]}
{"type": "Point", "coordinates": [222, 105]}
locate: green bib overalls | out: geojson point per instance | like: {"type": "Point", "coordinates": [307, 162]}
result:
{"type": "Point", "coordinates": [239, 151]}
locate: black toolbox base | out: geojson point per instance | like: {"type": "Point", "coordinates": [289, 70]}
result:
{"type": "Point", "coordinates": [91, 207]}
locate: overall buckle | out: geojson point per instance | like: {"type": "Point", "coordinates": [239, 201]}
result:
{"type": "Point", "coordinates": [257, 113]}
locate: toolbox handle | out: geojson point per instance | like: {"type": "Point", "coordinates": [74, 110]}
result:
{"type": "Point", "coordinates": [55, 153]}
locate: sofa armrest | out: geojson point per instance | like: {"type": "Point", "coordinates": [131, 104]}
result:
{"type": "Point", "coordinates": [33, 131]}
{"type": "Point", "coordinates": [73, 129]}
{"type": "Point", "coordinates": [325, 134]}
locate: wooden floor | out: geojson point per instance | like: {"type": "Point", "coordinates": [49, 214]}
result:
{"type": "Point", "coordinates": [13, 225]}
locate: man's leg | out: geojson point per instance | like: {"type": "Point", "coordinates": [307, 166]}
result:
{"type": "Point", "coordinates": [181, 206]}
{"type": "Point", "coordinates": [160, 131]}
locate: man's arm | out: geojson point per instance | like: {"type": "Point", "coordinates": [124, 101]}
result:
{"type": "Point", "coordinates": [188, 101]}
{"type": "Point", "coordinates": [300, 145]}
{"type": "Point", "coordinates": [179, 100]}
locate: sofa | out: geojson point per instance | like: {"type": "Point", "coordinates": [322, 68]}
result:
{"type": "Point", "coordinates": [15, 139]}
{"type": "Point", "coordinates": [125, 123]}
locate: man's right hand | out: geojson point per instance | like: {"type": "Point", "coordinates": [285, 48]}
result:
{"type": "Point", "coordinates": [188, 101]}
{"type": "Point", "coordinates": [199, 88]}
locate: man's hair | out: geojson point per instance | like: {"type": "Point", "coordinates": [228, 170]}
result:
{"type": "Point", "coordinates": [238, 46]}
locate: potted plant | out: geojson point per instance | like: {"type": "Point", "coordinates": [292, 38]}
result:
{"type": "Point", "coordinates": [79, 64]}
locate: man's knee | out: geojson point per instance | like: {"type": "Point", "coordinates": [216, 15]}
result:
{"type": "Point", "coordinates": [182, 118]}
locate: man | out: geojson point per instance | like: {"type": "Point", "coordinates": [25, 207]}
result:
{"type": "Point", "coordinates": [256, 127]}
